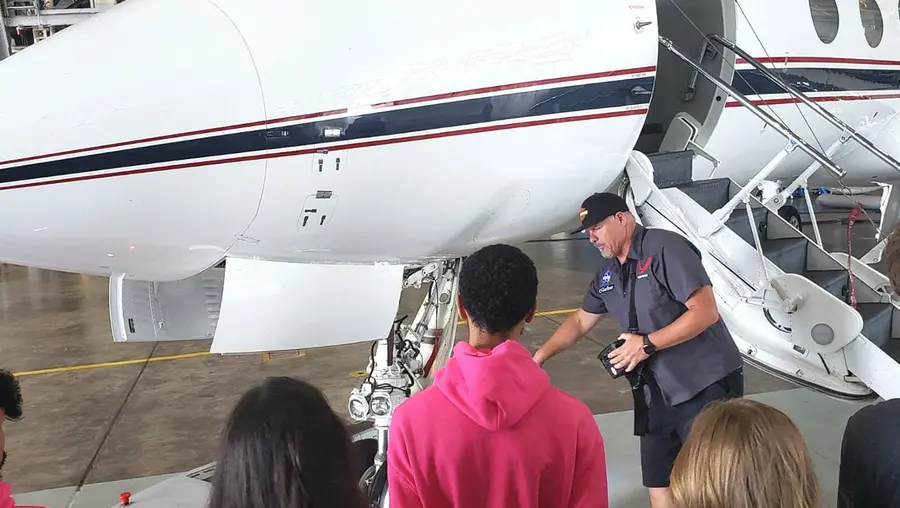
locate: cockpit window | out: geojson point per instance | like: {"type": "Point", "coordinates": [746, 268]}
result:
{"type": "Point", "coordinates": [825, 18]}
{"type": "Point", "coordinates": [872, 21]}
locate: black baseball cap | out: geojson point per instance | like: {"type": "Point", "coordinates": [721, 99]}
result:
{"type": "Point", "coordinates": [599, 206]}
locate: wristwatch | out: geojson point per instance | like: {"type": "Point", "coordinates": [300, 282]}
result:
{"type": "Point", "coordinates": [649, 348]}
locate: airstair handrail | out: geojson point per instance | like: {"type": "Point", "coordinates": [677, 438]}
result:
{"type": "Point", "coordinates": [837, 122]}
{"type": "Point", "coordinates": [721, 215]}
{"type": "Point", "coordinates": [783, 129]}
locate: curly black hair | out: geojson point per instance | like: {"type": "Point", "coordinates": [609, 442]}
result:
{"type": "Point", "coordinates": [498, 287]}
{"type": "Point", "coordinates": [10, 395]}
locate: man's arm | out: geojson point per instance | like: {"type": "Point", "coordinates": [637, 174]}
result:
{"type": "Point", "coordinates": [575, 326]}
{"type": "Point", "coordinates": [570, 332]}
{"type": "Point", "coordinates": [701, 313]}
{"type": "Point", "coordinates": [681, 270]}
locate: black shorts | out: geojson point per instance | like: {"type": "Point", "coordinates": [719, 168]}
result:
{"type": "Point", "coordinates": [668, 427]}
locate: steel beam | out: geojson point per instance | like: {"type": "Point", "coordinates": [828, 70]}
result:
{"type": "Point", "coordinates": [5, 46]}
{"type": "Point", "coordinates": [51, 17]}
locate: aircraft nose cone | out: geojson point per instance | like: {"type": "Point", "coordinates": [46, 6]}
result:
{"type": "Point", "coordinates": [140, 70]}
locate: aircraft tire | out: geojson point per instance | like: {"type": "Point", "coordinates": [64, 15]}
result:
{"type": "Point", "coordinates": [792, 215]}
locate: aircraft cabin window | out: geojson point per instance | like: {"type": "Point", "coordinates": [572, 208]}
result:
{"type": "Point", "coordinates": [825, 18]}
{"type": "Point", "coordinates": [872, 21]}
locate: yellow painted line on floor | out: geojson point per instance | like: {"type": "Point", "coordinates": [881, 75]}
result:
{"type": "Point", "coordinates": [138, 361]}
{"type": "Point", "coordinates": [89, 366]}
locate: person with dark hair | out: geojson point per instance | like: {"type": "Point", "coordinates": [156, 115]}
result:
{"type": "Point", "coordinates": [10, 409]}
{"type": "Point", "coordinates": [491, 431]}
{"type": "Point", "coordinates": [284, 447]}
{"type": "Point", "coordinates": [869, 475]}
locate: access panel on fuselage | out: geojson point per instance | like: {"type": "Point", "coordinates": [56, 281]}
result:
{"type": "Point", "coordinates": [447, 138]}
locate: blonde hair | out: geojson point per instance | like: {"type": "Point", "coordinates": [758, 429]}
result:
{"type": "Point", "coordinates": [744, 454]}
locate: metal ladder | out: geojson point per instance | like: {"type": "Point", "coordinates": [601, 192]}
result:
{"type": "Point", "coordinates": [820, 159]}
{"type": "Point", "coordinates": [21, 7]}
{"type": "Point", "coordinates": [849, 132]}
{"type": "Point", "coordinates": [773, 202]}
{"type": "Point", "coordinates": [794, 141]}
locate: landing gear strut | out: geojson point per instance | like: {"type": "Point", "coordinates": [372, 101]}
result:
{"type": "Point", "coordinates": [401, 365]}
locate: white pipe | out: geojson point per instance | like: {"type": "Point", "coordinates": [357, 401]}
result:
{"type": "Point", "coordinates": [722, 214]}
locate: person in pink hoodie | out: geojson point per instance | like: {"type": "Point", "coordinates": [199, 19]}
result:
{"type": "Point", "coordinates": [491, 432]}
{"type": "Point", "coordinates": [10, 409]}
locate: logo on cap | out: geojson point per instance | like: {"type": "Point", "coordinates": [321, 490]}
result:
{"type": "Point", "coordinates": [582, 214]}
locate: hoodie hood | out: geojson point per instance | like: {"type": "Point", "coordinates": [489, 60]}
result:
{"type": "Point", "coordinates": [6, 500]}
{"type": "Point", "coordinates": [494, 388]}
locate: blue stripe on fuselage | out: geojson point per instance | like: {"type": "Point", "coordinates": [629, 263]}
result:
{"type": "Point", "coordinates": [752, 82]}
{"type": "Point", "coordinates": [466, 112]}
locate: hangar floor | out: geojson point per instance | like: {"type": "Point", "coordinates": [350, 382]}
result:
{"type": "Point", "coordinates": [99, 412]}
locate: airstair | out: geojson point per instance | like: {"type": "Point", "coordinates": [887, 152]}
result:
{"type": "Point", "coordinates": [43, 18]}
{"type": "Point", "coordinates": [21, 8]}
{"type": "Point", "coordinates": [820, 320]}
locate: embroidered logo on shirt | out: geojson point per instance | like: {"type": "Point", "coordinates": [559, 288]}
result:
{"type": "Point", "coordinates": [605, 281]}
{"type": "Point", "coordinates": [643, 266]}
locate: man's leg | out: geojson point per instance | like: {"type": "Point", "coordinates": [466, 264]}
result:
{"type": "Point", "coordinates": [663, 449]}
{"type": "Point", "coordinates": [658, 453]}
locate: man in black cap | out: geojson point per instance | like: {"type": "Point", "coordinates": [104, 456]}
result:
{"type": "Point", "coordinates": [676, 352]}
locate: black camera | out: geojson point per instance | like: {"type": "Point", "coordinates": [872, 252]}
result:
{"type": "Point", "coordinates": [607, 363]}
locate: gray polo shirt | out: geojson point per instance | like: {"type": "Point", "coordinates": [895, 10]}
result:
{"type": "Point", "coordinates": [668, 270]}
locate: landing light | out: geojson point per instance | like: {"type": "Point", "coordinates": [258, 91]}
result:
{"type": "Point", "coordinates": [358, 407]}
{"type": "Point", "coordinates": [381, 404]}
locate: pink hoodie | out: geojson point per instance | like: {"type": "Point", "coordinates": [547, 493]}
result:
{"type": "Point", "coordinates": [6, 500]}
{"type": "Point", "coordinates": [490, 433]}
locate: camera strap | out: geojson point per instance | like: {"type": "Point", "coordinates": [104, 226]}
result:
{"type": "Point", "coordinates": [641, 376]}
{"type": "Point", "coordinates": [636, 376]}
{"type": "Point", "coordinates": [632, 279]}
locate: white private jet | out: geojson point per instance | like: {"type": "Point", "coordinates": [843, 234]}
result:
{"type": "Point", "coordinates": [255, 184]}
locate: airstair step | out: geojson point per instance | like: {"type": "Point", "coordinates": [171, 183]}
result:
{"type": "Point", "coordinates": [739, 224]}
{"type": "Point", "coordinates": [833, 281]}
{"type": "Point", "coordinates": [671, 169]}
{"type": "Point", "coordinates": [876, 322]}
{"type": "Point", "coordinates": [789, 254]}
{"type": "Point", "coordinates": [710, 194]}
{"type": "Point", "coordinates": [892, 348]}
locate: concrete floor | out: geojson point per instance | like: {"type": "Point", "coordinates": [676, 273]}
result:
{"type": "Point", "coordinates": [105, 412]}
